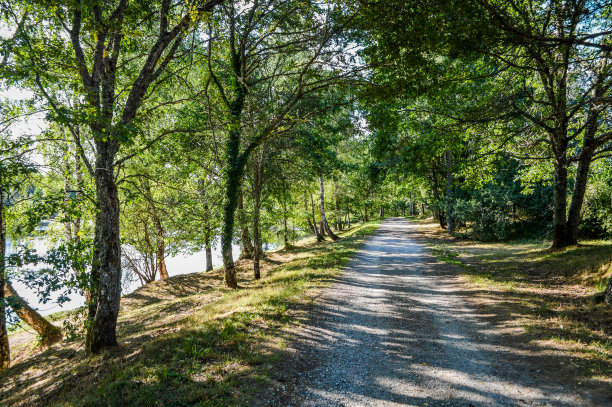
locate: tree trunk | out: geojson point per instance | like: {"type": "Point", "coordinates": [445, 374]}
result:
{"type": "Point", "coordinates": [338, 214]}
{"type": "Point", "coordinates": [104, 325]}
{"type": "Point", "coordinates": [311, 226]}
{"type": "Point", "coordinates": [584, 164]}
{"type": "Point", "coordinates": [160, 247]}
{"type": "Point", "coordinates": [49, 332]}
{"type": "Point", "coordinates": [365, 213]}
{"type": "Point", "coordinates": [608, 293]}
{"type": "Point", "coordinates": [450, 218]}
{"type": "Point", "coordinates": [381, 212]}
{"type": "Point", "coordinates": [245, 236]}
{"type": "Point", "coordinates": [319, 233]}
{"type": "Point", "coordinates": [285, 230]}
{"type": "Point", "coordinates": [257, 187]}
{"type": "Point", "coordinates": [5, 353]}
{"type": "Point", "coordinates": [323, 218]}
{"type": "Point", "coordinates": [233, 174]}
{"type": "Point", "coordinates": [207, 238]}
{"type": "Point", "coordinates": [561, 235]}
{"type": "Point", "coordinates": [348, 217]}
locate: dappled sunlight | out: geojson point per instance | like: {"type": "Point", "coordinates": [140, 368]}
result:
{"type": "Point", "coordinates": [397, 329]}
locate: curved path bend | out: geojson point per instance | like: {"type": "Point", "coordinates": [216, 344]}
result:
{"type": "Point", "coordinates": [396, 330]}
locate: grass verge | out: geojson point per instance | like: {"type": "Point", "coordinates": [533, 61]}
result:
{"type": "Point", "coordinates": [547, 298]}
{"type": "Point", "coordinates": [188, 340]}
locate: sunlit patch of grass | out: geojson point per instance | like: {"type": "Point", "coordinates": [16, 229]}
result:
{"type": "Point", "coordinates": [206, 346]}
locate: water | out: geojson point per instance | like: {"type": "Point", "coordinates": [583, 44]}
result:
{"type": "Point", "coordinates": [179, 264]}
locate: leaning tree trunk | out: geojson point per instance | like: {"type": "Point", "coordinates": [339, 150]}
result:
{"type": "Point", "coordinates": [5, 353]}
{"type": "Point", "coordinates": [104, 325]}
{"type": "Point", "coordinates": [49, 332]}
{"type": "Point", "coordinates": [582, 176]}
{"type": "Point", "coordinates": [245, 236]}
{"type": "Point", "coordinates": [328, 230]}
{"type": "Point", "coordinates": [584, 164]}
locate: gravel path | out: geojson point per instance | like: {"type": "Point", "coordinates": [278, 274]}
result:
{"type": "Point", "coordinates": [396, 331]}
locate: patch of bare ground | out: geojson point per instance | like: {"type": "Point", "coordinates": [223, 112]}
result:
{"type": "Point", "coordinates": [184, 341]}
{"type": "Point", "coordinates": [546, 303]}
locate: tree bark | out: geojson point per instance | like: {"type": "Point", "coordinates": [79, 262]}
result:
{"type": "Point", "coordinates": [561, 235]}
{"type": "Point", "coordinates": [5, 353]}
{"type": "Point", "coordinates": [104, 324]}
{"type": "Point", "coordinates": [233, 175]}
{"type": "Point", "coordinates": [49, 332]}
{"type": "Point", "coordinates": [323, 218]}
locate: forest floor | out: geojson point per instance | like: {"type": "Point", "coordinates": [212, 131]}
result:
{"type": "Point", "coordinates": [187, 340]}
{"type": "Point", "coordinates": [404, 327]}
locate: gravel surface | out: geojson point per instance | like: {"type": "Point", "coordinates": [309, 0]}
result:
{"type": "Point", "coordinates": [395, 330]}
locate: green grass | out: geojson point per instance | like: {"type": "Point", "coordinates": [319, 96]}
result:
{"type": "Point", "coordinates": [552, 295]}
{"type": "Point", "coordinates": [210, 347]}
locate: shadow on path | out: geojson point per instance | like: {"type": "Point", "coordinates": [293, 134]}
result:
{"type": "Point", "coordinates": [396, 330]}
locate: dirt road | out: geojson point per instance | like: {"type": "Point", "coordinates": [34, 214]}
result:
{"type": "Point", "coordinates": [396, 330]}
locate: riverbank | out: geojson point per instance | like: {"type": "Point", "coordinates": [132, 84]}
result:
{"type": "Point", "coordinates": [187, 339]}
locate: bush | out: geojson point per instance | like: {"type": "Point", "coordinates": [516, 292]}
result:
{"type": "Point", "coordinates": [488, 220]}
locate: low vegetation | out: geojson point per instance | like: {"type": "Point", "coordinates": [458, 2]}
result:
{"type": "Point", "coordinates": [187, 340]}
